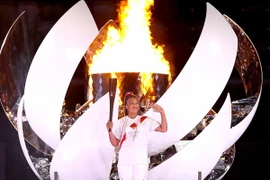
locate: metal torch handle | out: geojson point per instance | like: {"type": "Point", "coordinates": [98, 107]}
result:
{"type": "Point", "coordinates": [112, 91]}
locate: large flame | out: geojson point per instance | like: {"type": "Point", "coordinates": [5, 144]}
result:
{"type": "Point", "coordinates": [130, 48]}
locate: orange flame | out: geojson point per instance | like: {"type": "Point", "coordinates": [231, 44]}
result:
{"type": "Point", "coordinates": [130, 48]}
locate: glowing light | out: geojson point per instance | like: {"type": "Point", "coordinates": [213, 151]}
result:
{"type": "Point", "coordinates": [130, 48]}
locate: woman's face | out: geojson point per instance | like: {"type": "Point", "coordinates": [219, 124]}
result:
{"type": "Point", "coordinates": [132, 105]}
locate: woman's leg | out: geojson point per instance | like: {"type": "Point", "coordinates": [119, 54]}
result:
{"type": "Point", "coordinates": [125, 172]}
{"type": "Point", "coordinates": [140, 172]}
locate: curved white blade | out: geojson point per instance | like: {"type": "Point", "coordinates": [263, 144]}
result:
{"type": "Point", "coordinates": [52, 69]}
{"type": "Point", "coordinates": [199, 85]}
{"type": "Point", "coordinates": [201, 154]}
{"type": "Point", "coordinates": [237, 131]}
{"type": "Point", "coordinates": [21, 138]}
{"type": "Point", "coordinates": [85, 152]}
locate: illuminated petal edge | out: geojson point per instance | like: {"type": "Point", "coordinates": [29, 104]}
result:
{"type": "Point", "coordinates": [254, 64]}
{"type": "Point", "coordinates": [236, 131]}
{"type": "Point", "coordinates": [4, 41]}
{"type": "Point", "coordinates": [21, 138]}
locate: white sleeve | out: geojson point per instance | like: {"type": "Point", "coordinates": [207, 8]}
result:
{"type": "Point", "coordinates": [153, 124]}
{"type": "Point", "coordinates": [116, 130]}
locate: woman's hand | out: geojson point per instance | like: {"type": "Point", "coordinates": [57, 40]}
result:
{"type": "Point", "coordinates": [109, 125]}
{"type": "Point", "coordinates": [156, 107]}
{"type": "Point", "coordinates": [163, 123]}
{"type": "Point", "coordinates": [114, 141]}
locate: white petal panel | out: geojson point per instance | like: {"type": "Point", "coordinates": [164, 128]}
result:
{"type": "Point", "coordinates": [199, 85]}
{"type": "Point", "coordinates": [85, 152]}
{"type": "Point", "coordinates": [21, 138]}
{"type": "Point", "coordinates": [52, 69]}
{"type": "Point", "coordinates": [201, 154]}
{"type": "Point", "coordinates": [237, 131]}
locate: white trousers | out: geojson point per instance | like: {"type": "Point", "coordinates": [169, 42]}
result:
{"type": "Point", "coordinates": [137, 172]}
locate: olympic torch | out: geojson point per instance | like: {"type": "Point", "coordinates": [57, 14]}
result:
{"type": "Point", "coordinates": [112, 91]}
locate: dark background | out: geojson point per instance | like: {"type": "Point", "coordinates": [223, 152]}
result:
{"type": "Point", "coordinates": [177, 24]}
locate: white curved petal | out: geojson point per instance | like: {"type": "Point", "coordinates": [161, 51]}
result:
{"type": "Point", "coordinates": [236, 131]}
{"type": "Point", "coordinates": [85, 152]}
{"type": "Point", "coordinates": [199, 85]}
{"type": "Point", "coordinates": [52, 69]}
{"type": "Point", "coordinates": [21, 138]}
{"type": "Point", "coordinates": [201, 154]}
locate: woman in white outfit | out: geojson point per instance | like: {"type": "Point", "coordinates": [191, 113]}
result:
{"type": "Point", "coordinates": [130, 133]}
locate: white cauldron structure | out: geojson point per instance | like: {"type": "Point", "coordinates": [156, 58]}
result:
{"type": "Point", "coordinates": [75, 145]}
